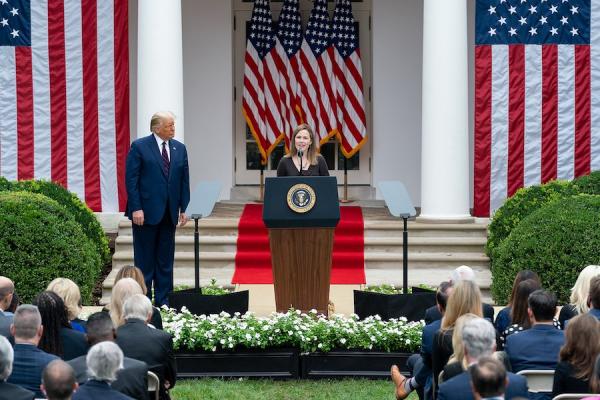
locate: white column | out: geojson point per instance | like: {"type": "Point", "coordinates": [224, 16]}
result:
{"type": "Point", "coordinates": [445, 129]}
{"type": "Point", "coordinates": [159, 63]}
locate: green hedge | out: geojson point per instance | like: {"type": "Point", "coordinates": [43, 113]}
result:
{"type": "Point", "coordinates": [40, 241]}
{"type": "Point", "coordinates": [556, 241]}
{"type": "Point", "coordinates": [588, 184]}
{"type": "Point", "coordinates": [75, 207]}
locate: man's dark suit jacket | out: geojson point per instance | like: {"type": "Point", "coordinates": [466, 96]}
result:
{"type": "Point", "coordinates": [459, 388]}
{"type": "Point", "coordinates": [98, 390]}
{"type": "Point", "coordinates": [8, 391]}
{"type": "Point", "coordinates": [534, 348]}
{"type": "Point", "coordinates": [74, 343]}
{"type": "Point", "coordinates": [433, 314]}
{"type": "Point", "coordinates": [5, 321]}
{"type": "Point", "coordinates": [28, 365]}
{"type": "Point", "coordinates": [152, 346]}
{"type": "Point", "coordinates": [132, 380]}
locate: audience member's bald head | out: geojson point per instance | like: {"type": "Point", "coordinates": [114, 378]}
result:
{"type": "Point", "coordinates": [462, 273]}
{"type": "Point", "coordinates": [7, 288]}
{"type": "Point", "coordinates": [27, 323]}
{"type": "Point", "coordinates": [58, 380]}
{"type": "Point", "coordinates": [488, 377]}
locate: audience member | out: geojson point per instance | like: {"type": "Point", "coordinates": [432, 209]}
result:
{"type": "Point", "coordinates": [462, 273]}
{"type": "Point", "coordinates": [122, 289]}
{"type": "Point", "coordinates": [518, 314]}
{"type": "Point", "coordinates": [503, 319]}
{"type": "Point", "coordinates": [69, 292]}
{"type": "Point", "coordinates": [465, 298]}
{"type": "Point", "coordinates": [594, 297]}
{"type": "Point", "coordinates": [103, 361]}
{"type": "Point", "coordinates": [488, 379]}
{"type": "Point", "coordinates": [579, 295]}
{"type": "Point", "coordinates": [420, 364]}
{"type": "Point", "coordinates": [130, 271]}
{"type": "Point", "coordinates": [457, 363]}
{"type": "Point", "coordinates": [479, 338]}
{"type": "Point", "coordinates": [595, 381]}
{"type": "Point", "coordinates": [7, 289]}
{"type": "Point", "coordinates": [153, 346]}
{"type": "Point", "coordinates": [132, 380]}
{"type": "Point", "coordinates": [8, 391]}
{"type": "Point", "coordinates": [58, 338]}
{"type": "Point", "coordinates": [29, 360]}
{"type": "Point", "coordinates": [577, 356]}
{"type": "Point", "coordinates": [15, 302]}
{"type": "Point", "coordinates": [58, 381]}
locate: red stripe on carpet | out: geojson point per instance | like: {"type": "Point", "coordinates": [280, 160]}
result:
{"type": "Point", "coordinates": [253, 256]}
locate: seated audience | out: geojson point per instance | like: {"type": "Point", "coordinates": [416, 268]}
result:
{"type": "Point", "coordinates": [8, 391]}
{"type": "Point", "coordinates": [457, 364]}
{"type": "Point", "coordinates": [577, 356]}
{"type": "Point", "coordinates": [579, 295]}
{"type": "Point", "coordinates": [503, 319]}
{"type": "Point", "coordinates": [15, 302]}
{"type": "Point", "coordinates": [68, 291]}
{"type": "Point", "coordinates": [594, 297]}
{"type": "Point", "coordinates": [462, 273]}
{"type": "Point", "coordinates": [479, 338]}
{"type": "Point", "coordinates": [152, 346]}
{"type": "Point", "coordinates": [58, 381]}
{"type": "Point", "coordinates": [123, 289]}
{"type": "Point", "coordinates": [30, 361]}
{"type": "Point", "coordinates": [518, 313]}
{"type": "Point", "coordinates": [465, 298]}
{"type": "Point", "coordinates": [420, 364]}
{"type": "Point", "coordinates": [130, 271]}
{"type": "Point", "coordinates": [58, 338]}
{"type": "Point", "coordinates": [488, 378]}
{"type": "Point", "coordinates": [7, 288]}
{"type": "Point", "coordinates": [132, 380]}
{"type": "Point", "coordinates": [595, 381]}
{"type": "Point", "coordinates": [103, 361]}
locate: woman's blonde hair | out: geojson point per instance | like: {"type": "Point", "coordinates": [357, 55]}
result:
{"type": "Point", "coordinates": [311, 153]}
{"type": "Point", "coordinates": [465, 298]}
{"type": "Point", "coordinates": [457, 342]}
{"type": "Point", "coordinates": [131, 271]}
{"type": "Point", "coordinates": [120, 292]}
{"type": "Point", "coordinates": [68, 291]}
{"type": "Point", "coordinates": [580, 291]}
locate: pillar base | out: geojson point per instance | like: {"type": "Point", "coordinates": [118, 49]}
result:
{"type": "Point", "coordinates": [454, 219]}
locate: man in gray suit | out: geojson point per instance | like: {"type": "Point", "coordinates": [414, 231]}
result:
{"type": "Point", "coordinates": [7, 288]}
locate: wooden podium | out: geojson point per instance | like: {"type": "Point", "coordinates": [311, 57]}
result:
{"type": "Point", "coordinates": [301, 213]}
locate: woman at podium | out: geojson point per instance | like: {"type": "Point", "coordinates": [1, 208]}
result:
{"type": "Point", "coordinates": [303, 158]}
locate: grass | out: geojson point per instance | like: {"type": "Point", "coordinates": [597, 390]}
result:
{"type": "Point", "coordinates": [264, 389]}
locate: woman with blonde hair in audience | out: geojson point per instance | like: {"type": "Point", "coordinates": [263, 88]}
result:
{"type": "Point", "coordinates": [131, 271]}
{"type": "Point", "coordinates": [69, 292]}
{"type": "Point", "coordinates": [503, 318]}
{"type": "Point", "coordinates": [574, 372]}
{"type": "Point", "coordinates": [121, 291]}
{"type": "Point", "coordinates": [465, 299]}
{"type": "Point", "coordinates": [457, 363]}
{"type": "Point", "coordinates": [579, 295]}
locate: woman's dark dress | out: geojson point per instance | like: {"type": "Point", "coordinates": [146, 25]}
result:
{"type": "Point", "coordinates": [287, 167]}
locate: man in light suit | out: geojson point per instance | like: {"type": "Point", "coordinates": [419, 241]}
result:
{"type": "Point", "coordinates": [7, 289]}
{"type": "Point", "coordinates": [158, 192]}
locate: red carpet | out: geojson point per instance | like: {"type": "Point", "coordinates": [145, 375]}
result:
{"type": "Point", "coordinates": [253, 257]}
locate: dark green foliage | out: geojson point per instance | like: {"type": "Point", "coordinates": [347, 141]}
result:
{"type": "Point", "coordinates": [520, 205]}
{"type": "Point", "coordinates": [4, 183]}
{"type": "Point", "coordinates": [39, 241]}
{"type": "Point", "coordinates": [557, 241]}
{"type": "Point", "coordinates": [589, 184]}
{"type": "Point", "coordinates": [75, 207]}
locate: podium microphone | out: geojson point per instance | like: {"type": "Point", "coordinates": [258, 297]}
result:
{"type": "Point", "coordinates": [300, 154]}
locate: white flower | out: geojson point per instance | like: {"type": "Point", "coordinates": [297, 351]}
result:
{"type": "Point", "coordinates": [320, 345]}
{"type": "Point", "coordinates": [343, 341]}
{"type": "Point", "coordinates": [248, 336]}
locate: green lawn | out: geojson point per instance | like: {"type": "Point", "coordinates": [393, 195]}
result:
{"type": "Point", "coordinates": [262, 389]}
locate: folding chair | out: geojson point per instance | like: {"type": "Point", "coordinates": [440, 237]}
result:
{"type": "Point", "coordinates": [572, 396]}
{"type": "Point", "coordinates": [538, 380]}
{"type": "Point", "coordinates": [153, 384]}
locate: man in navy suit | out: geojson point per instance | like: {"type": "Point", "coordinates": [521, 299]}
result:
{"type": "Point", "coordinates": [479, 339]}
{"type": "Point", "coordinates": [58, 381]}
{"type": "Point", "coordinates": [8, 391]}
{"type": "Point", "coordinates": [7, 289]}
{"type": "Point", "coordinates": [488, 378]}
{"type": "Point", "coordinates": [158, 192]}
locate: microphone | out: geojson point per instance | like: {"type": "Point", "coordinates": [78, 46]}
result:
{"type": "Point", "coordinates": [300, 154]}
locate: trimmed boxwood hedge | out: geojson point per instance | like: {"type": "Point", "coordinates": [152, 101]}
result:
{"type": "Point", "coordinates": [39, 241]}
{"type": "Point", "coordinates": [75, 207]}
{"type": "Point", "coordinates": [588, 184]}
{"type": "Point", "coordinates": [556, 241]}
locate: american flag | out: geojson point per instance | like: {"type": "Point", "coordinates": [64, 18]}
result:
{"type": "Point", "coordinates": [347, 68]}
{"type": "Point", "coordinates": [261, 103]}
{"type": "Point", "coordinates": [64, 96]}
{"type": "Point", "coordinates": [537, 108]}
{"type": "Point", "coordinates": [318, 95]}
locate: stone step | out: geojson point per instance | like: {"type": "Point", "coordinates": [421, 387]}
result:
{"type": "Point", "coordinates": [376, 228]}
{"type": "Point", "coordinates": [185, 243]}
{"type": "Point", "coordinates": [206, 227]}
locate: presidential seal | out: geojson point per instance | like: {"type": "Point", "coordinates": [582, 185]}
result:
{"type": "Point", "coordinates": [301, 198]}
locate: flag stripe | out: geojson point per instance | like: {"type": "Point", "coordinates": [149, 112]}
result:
{"type": "Point", "coordinates": [566, 107]}
{"type": "Point", "coordinates": [8, 111]}
{"type": "Point", "coordinates": [582, 110]}
{"type": "Point", "coordinates": [483, 129]}
{"type": "Point", "coordinates": [595, 86]}
{"type": "Point", "coordinates": [500, 125]}
{"type": "Point", "coordinates": [516, 115]}
{"type": "Point", "coordinates": [24, 88]}
{"type": "Point", "coordinates": [533, 115]}
{"type": "Point", "coordinates": [549, 112]}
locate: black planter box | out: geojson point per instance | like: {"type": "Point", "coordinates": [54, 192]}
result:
{"type": "Point", "coordinates": [268, 363]}
{"type": "Point", "coordinates": [348, 363]}
{"type": "Point", "coordinates": [412, 305]}
{"type": "Point", "coordinates": [200, 304]}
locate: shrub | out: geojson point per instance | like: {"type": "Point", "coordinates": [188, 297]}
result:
{"type": "Point", "coordinates": [519, 206]}
{"type": "Point", "coordinates": [557, 241]}
{"type": "Point", "coordinates": [39, 241]}
{"type": "Point", "coordinates": [79, 210]}
{"type": "Point", "coordinates": [589, 184]}
{"type": "Point", "coordinates": [4, 183]}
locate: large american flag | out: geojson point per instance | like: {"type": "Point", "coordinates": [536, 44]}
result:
{"type": "Point", "coordinates": [64, 96]}
{"type": "Point", "coordinates": [537, 95]}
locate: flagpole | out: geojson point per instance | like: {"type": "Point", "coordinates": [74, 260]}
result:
{"type": "Point", "coordinates": [261, 188]}
{"type": "Point", "coordinates": [345, 198]}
